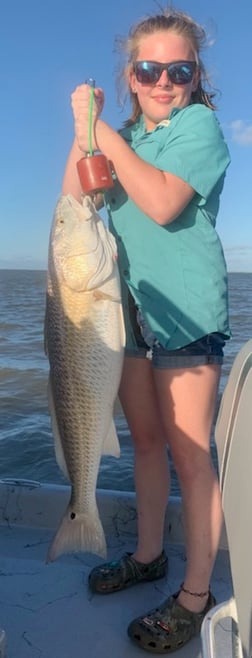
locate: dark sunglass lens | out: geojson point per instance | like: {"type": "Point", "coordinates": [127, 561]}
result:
{"type": "Point", "coordinates": [181, 74]}
{"type": "Point", "coordinates": [147, 72]}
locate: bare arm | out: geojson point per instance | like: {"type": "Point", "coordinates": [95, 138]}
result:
{"type": "Point", "coordinates": [160, 195]}
{"type": "Point", "coordinates": [71, 182]}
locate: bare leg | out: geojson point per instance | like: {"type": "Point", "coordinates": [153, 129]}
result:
{"type": "Point", "coordinates": [139, 402]}
{"type": "Point", "coordinates": [187, 401]}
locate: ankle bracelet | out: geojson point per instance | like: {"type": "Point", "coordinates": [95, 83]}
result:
{"type": "Point", "coordinates": [187, 591]}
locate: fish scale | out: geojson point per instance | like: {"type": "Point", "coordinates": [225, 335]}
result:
{"type": "Point", "coordinates": [84, 340]}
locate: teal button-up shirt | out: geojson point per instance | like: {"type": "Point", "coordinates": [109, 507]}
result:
{"type": "Point", "coordinates": [176, 273]}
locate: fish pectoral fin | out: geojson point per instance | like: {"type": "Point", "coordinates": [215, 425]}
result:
{"type": "Point", "coordinates": [111, 444]}
{"type": "Point", "coordinates": [59, 454]}
{"type": "Point", "coordinates": [99, 294]}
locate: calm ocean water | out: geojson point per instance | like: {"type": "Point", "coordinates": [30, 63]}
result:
{"type": "Point", "coordinates": [26, 444]}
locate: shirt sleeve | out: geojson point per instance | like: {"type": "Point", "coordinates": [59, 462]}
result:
{"type": "Point", "coordinates": [194, 149]}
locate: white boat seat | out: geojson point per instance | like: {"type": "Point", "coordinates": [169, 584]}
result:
{"type": "Point", "coordinates": [233, 435]}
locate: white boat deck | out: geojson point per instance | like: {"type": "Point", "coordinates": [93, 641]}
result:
{"type": "Point", "coordinates": [47, 611]}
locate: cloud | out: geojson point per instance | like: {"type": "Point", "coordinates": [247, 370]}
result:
{"type": "Point", "coordinates": [241, 132]}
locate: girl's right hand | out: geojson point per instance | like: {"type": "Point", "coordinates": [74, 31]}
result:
{"type": "Point", "coordinates": [81, 108]}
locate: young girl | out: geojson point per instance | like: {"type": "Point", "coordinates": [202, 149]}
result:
{"type": "Point", "coordinates": [170, 161]}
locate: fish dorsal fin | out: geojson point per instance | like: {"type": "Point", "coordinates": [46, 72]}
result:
{"type": "Point", "coordinates": [111, 444]}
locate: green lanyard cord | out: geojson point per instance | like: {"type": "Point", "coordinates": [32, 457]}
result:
{"type": "Point", "coordinates": [91, 104]}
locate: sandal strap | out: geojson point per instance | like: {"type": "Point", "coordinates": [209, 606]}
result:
{"type": "Point", "coordinates": [119, 574]}
{"type": "Point", "coordinates": [140, 570]}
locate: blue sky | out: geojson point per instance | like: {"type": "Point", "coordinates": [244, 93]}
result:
{"type": "Point", "coordinates": [49, 47]}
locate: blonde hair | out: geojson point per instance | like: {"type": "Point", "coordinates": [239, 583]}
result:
{"type": "Point", "coordinates": [173, 20]}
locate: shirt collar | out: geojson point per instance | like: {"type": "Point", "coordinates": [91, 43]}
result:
{"type": "Point", "coordinates": [138, 131]}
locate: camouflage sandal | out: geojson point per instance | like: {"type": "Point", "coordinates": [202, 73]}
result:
{"type": "Point", "coordinates": [168, 627]}
{"type": "Point", "coordinates": [117, 575]}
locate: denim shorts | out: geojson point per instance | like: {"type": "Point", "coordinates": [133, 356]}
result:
{"type": "Point", "coordinates": [207, 350]}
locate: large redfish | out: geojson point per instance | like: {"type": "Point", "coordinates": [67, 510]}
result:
{"type": "Point", "coordinates": [84, 341]}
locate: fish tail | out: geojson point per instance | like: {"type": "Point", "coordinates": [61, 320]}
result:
{"type": "Point", "coordinates": [81, 532]}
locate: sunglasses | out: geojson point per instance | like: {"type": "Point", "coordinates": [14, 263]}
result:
{"type": "Point", "coordinates": [179, 73]}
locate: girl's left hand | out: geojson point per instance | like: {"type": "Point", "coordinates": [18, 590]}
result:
{"type": "Point", "coordinates": [81, 108]}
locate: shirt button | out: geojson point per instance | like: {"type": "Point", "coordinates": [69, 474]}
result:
{"type": "Point", "coordinates": [113, 200]}
{"type": "Point", "coordinates": [126, 272]}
